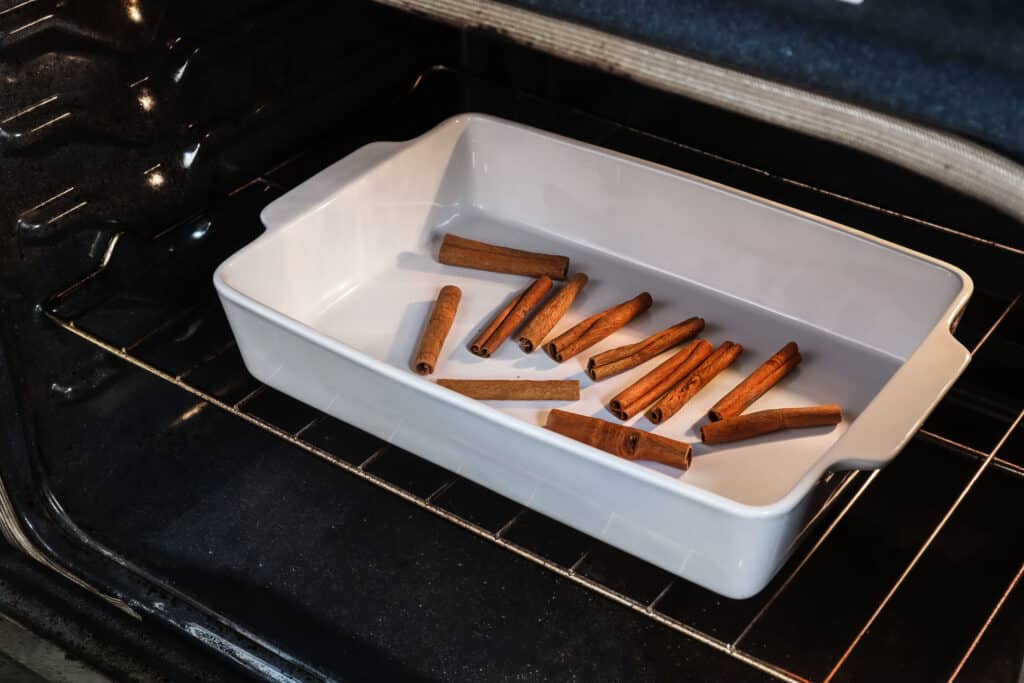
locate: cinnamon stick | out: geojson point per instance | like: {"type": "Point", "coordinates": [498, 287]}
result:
{"type": "Point", "coordinates": [510, 317]}
{"type": "Point", "coordinates": [688, 387]}
{"type": "Point", "coordinates": [631, 355]}
{"type": "Point", "coordinates": [595, 328]}
{"type": "Point", "coordinates": [515, 389]}
{"type": "Point", "coordinates": [548, 316]}
{"type": "Point", "coordinates": [655, 383]}
{"type": "Point", "coordinates": [768, 421]}
{"type": "Point", "coordinates": [461, 251]}
{"type": "Point", "coordinates": [760, 381]}
{"type": "Point", "coordinates": [440, 323]}
{"type": "Point", "coordinates": [625, 442]}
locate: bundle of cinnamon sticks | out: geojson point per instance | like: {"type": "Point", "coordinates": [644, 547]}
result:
{"type": "Point", "coordinates": [659, 394]}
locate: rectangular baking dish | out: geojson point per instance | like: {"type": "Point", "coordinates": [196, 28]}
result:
{"type": "Point", "coordinates": [328, 304]}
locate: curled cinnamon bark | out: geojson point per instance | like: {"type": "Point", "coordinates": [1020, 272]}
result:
{"type": "Point", "coordinates": [440, 323]}
{"type": "Point", "coordinates": [624, 358]}
{"type": "Point", "coordinates": [688, 387]}
{"type": "Point", "coordinates": [625, 442]}
{"type": "Point", "coordinates": [760, 381]}
{"type": "Point", "coordinates": [768, 421]}
{"type": "Point", "coordinates": [655, 383]}
{"type": "Point", "coordinates": [461, 251]}
{"type": "Point", "coordinates": [595, 328]}
{"type": "Point", "coordinates": [510, 317]}
{"type": "Point", "coordinates": [515, 389]}
{"type": "Point", "coordinates": [548, 316]}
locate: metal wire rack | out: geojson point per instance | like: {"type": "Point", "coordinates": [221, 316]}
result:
{"type": "Point", "coordinates": [845, 490]}
{"type": "Point", "coordinates": [429, 502]}
{"type": "Point", "coordinates": [840, 492]}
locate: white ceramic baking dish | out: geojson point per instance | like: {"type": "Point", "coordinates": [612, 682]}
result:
{"type": "Point", "coordinates": [328, 304]}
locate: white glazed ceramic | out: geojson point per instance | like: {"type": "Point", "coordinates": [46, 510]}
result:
{"type": "Point", "coordinates": [328, 305]}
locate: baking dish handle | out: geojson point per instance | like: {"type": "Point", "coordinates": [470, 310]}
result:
{"type": "Point", "coordinates": [311, 194]}
{"type": "Point", "coordinates": [896, 413]}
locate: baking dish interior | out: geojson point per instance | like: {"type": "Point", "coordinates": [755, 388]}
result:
{"type": "Point", "coordinates": [358, 266]}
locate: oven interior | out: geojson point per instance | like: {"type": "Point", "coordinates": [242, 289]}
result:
{"type": "Point", "coordinates": [143, 459]}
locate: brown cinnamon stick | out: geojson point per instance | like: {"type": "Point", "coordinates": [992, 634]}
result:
{"type": "Point", "coordinates": [618, 360]}
{"type": "Point", "coordinates": [440, 323]}
{"type": "Point", "coordinates": [655, 383]}
{"type": "Point", "coordinates": [768, 421]}
{"type": "Point", "coordinates": [461, 251]}
{"type": "Point", "coordinates": [688, 387]}
{"type": "Point", "coordinates": [515, 389]}
{"type": "Point", "coordinates": [760, 381]}
{"type": "Point", "coordinates": [625, 442]}
{"type": "Point", "coordinates": [595, 328]}
{"type": "Point", "coordinates": [548, 316]}
{"type": "Point", "coordinates": [510, 317]}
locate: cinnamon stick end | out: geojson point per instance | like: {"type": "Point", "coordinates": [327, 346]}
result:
{"type": "Point", "coordinates": [833, 413]}
{"type": "Point", "coordinates": [424, 368]}
{"type": "Point", "coordinates": [715, 415]}
{"type": "Point", "coordinates": [553, 352]}
{"type": "Point", "coordinates": [526, 345]}
{"type": "Point", "coordinates": [680, 461]}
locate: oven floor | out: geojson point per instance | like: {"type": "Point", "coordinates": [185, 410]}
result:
{"type": "Point", "coordinates": [284, 543]}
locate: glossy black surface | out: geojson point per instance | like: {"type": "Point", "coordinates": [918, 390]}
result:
{"type": "Point", "coordinates": [1013, 449]}
{"type": "Point", "coordinates": [843, 583]}
{"type": "Point", "coordinates": [980, 316]}
{"type": "Point", "coordinates": [342, 440]}
{"type": "Point", "coordinates": [989, 395]}
{"type": "Point", "coordinates": [104, 637]}
{"type": "Point", "coordinates": [950, 593]}
{"type": "Point", "coordinates": [997, 655]}
{"type": "Point", "coordinates": [408, 471]}
{"type": "Point", "coordinates": [476, 504]}
{"type": "Point", "coordinates": [546, 537]}
{"type": "Point", "coordinates": [224, 524]}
